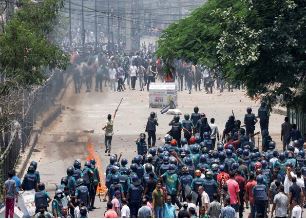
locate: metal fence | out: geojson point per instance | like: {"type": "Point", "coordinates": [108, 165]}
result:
{"type": "Point", "coordinates": [298, 117]}
{"type": "Point", "coordinates": [34, 104]}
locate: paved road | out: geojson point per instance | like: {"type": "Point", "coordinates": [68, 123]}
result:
{"type": "Point", "coordinates": [66, 139]}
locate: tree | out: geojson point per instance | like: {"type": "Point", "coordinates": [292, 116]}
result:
{"type": "Point", "coordinates": [259, 43]}
{"type": "Point", "coordinates": [25, 50]}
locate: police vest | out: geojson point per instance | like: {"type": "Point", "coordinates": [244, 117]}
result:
{"type": "Point", "coordinates": [83, 194]}
{"type": "Point", "coordinates": [176, 129]}
{"type": "Point", "coordinates": [210, 187]}
{"type": "Point", "coordinates": [263, 114]}
{"type": "Point", "coordinates": [197, 182]}
{"type": "Point", "coordinates": [124, 181]}
{"type": "Point", "coordinates": [108, 169]}
{"type": "Point", "coordinates": [163, 168]}
{"type": "Point", "coordinates": [140, 171]}
{"type": "Point", "coordinates": [77, 174]}
{"type": "Point", "coordinates": [259, 192]}
{"type": "Point", "coordinates": [30, 181]}
{"type": "Point", "coordinates": [135, 194]}
{"type": "Point", "coordinates": [151, 125]}
{"type": "Point", "coordinates": [86, 176]}
{"type": "Point", "coordinates": [113, 188]}
{"type": "Point", "coordinates": [41, 200]}
{"type": "Point", "coordinates": [186, 180]}
{"type": "Point", "coordinates": [187, 124]}
{"type": "Point", "coordinates": [71, 183]}
{"type": "Point", "coordinates": [249, 120]}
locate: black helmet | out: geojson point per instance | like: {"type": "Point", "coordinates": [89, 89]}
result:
{"type": "Point", "coordinates": [176, 118]}
{"type": "Point", "coordinates": [64, 181]}
{"type": "Point", "coordinates": [187, 116]}
{"type": "Point", "coordinates": [70, 171]}
{"type": "Point", "coordinates": [271, 145]}
{"type": "Point", "coordinates": [152, 114]}
{"type": "Point", "coordinates": [249, 110]}
{"type": "Point", "coordinates": [77, 164]}
{"type": "Point", "coordinates": [93, 162]}
{"type": "Point", "coordinates": [79, 182]}
{"type": "Point", "coordinates": [168, 138]}
{"type": "Point", "coordinates": [148, 168]}
{"type": "Point", "coordinates": [196, 109]}
{"type": "Point", "coordinates": [41, 187]}
{"type": "Point", "coordinates": [124, 162]}
{"type": "Point", "coordinates": [152, 151]}
{"type": "Point", "coordinates": [259, 179]}
{"type": "Point", "coordinates": [31, 169]}
{"type": "Point", "coordinates": [112, 160]}
{"type": "Point", "coordinates": [34, 164]}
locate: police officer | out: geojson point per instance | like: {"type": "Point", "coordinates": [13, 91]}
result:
{"type": "Point", "coordinates": [210, 185]}
{"type": "Point", "coordinates": [71, 180]}
{"type": "Point", "coordinates": [263, 115]}
{"type": "Point", "coordinates": [250, 121]}
{"type": "Point", "coordinates": [195, 117]}
{"type": "Point", "coordinates": [185, 181]}
{"type": "Point", "coordinates": [141, 144]}
{"type": "Point", "coordinates": [58, 203]}
{"type": "Point", "coordinates": [176, 129]}
{"type": "Point", "coordinates": [96, 181]}
{"type": "Point", "coordinates": [34, 164]}
{"type": "Point", "coordinates": [109, 167]}
{"type": "Point", "coordinates": [82, 193]}
{"type": "Point", "coordinates": [77, 174]}
{"type": "Point", "coordinates": [114, 187]}
{"type": "Point", "coordinates": [42, 198]}
{"type": "Point", "coordinates": [151, 129]}
{"type": "Point", "coordinates": [30, 180]}
{"type": "Point", "coordinates": [134, 195]}
{"type": "Point", "coordinates": [187, 126]}
{"type": "Point", "coordinates": [260, 197]}
{"type": "Point", "coordinates": [88, 178]}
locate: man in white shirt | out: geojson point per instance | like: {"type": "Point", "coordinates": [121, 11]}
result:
{"type": "Point", "coordinates": [204, 199]}
{"type": "Point", "coordinates": [296, 210]}
{"type": "Point", "coordinates": [133, 75]}
{"type": "Point", "coordinates": [112, 76]}
{"type": "Point", "coordinates": [214, 132]}
{"type": "Point", "coordinates": [125, 210]}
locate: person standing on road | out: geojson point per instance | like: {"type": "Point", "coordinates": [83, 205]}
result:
{"type": "Point", "coordinates": [158, 201]}
{"type": "Point", "coordinates": [250, 121]}
{"type": "Point", "coordinates": [280, 204]}
{"type": "Point", "coordinates": [285, 132]}
{"type": "Point", "coordinates": [10, 195]}
{"type": "Point", "coordinates": [214, 135]}
{"type": "Point", "coordinates": [151, 129]}
{"type": "Point", "coordinates": [109, 132]}
{"type": "Point", "coordinates": [260, 197]}
{"type": "Point", "coordinates": [133, 75]}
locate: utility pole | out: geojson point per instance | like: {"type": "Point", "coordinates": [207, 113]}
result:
{"type": "Point", "coordinates": [96, 26]}
{"type": "Point", "coordinates": [83, 27]}
{"type": "Point", "coordinates": [70, 28]}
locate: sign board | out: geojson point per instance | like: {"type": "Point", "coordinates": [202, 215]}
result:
{"type": "Point", "coordinates": [161, 94]}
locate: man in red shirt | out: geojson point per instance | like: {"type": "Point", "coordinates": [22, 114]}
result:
{"type": "Point", "coordinates": [241, 182]}
{"type": "Point", "coordinates": [110, 213]}
{"type": "Point", "coordinates": [249, 196]}
{"type": "Point", "coordinates": [222, 177]}
{"type": "Point", "coordinates": [233, 190]}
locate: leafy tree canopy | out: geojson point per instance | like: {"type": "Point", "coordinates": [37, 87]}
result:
{"type": "Point", "coordinates": [25, 50]}
{"type": "Point", "coordinates": [259, 43]}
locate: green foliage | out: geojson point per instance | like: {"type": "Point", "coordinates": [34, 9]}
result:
{"type": "Point", "coordinates": [25, 49]}
{"type": "Point", "coordinates": [259, 43]}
